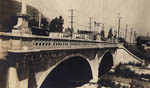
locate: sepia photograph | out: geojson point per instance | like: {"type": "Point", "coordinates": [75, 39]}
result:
{"type": "Point", "coordinates": [74, 43]}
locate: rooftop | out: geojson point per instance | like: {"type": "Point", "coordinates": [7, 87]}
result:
{"type": "Point", "coordinates": [146, 38]}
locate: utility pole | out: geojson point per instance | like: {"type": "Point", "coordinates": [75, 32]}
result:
{"type": "Point", "coordinates": [135, 34]}
{"type": "Point", "coordinates": [71, 20]}
{"type": "Point", "coordinates": [90, 23]}
{"type": "Point", "coordinates": [119, 19]}
{"type": "Point", "coordinates": [131, 35]}
{"type": "Point", "coordinates": [126, 32]}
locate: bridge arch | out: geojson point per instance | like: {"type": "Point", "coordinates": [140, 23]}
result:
{"type": "Point", "coordinates": [73, 68]}
{"type": "Point", "coordinates": [106, 63]}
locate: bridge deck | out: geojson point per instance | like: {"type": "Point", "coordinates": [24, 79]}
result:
{"type": "Point", "coordinates": [31, 43]}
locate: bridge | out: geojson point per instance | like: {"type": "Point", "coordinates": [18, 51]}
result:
{"type": "Point", "coordinates": [27, 61]}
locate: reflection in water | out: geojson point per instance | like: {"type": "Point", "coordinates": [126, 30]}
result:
{"type": "Point", "coordinates": [71, 73]}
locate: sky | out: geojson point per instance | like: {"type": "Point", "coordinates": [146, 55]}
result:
{"type": "Point", "coordinates": [135, 13]}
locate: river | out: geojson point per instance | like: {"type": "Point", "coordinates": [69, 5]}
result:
{"type": "Point", "coordinates": [73, 85]}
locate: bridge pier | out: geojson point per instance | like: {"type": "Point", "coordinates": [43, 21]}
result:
{"type": "Point", "coordinates": [94, 66]}
{"type": "Point", "coordinates": [32, 79]}
{"type": "Point", "coordinates": [12, 78]}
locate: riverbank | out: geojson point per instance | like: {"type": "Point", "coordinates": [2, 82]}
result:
{"type": "Point", "coordinates": [126, 76]}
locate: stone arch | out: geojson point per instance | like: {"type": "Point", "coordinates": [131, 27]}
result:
{"type": "Point", "coordinates": [69, 68]}
{"type": "Point", "coordinates": [106, 63]}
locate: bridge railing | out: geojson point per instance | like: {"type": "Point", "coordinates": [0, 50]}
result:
{"type": "Point", "coordinates": [36, 43]}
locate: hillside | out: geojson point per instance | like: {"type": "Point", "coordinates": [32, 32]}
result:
{"type": "Point", "coordinates": [8, 10]}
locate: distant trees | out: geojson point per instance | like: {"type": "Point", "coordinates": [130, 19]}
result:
{"type": "Point", "coordinates": [35, 23]}
{"type": "Point", "coordinates": [110, 34]}
{"type": "Point", "coordinates": [102, 33]}
{"type": "Point", "coordinates": [115, 34]}
{"type": "Point", "coordinates": [44, 23]}
{"type": "Point", "coordinates": [56, 25]}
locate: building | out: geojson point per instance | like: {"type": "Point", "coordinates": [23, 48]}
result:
{"type": "Point", "coordinates": [92, 35]}
{"type": "Point", "coordinates": [143, 41]}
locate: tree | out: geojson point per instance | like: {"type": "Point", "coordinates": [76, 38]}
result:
{"type": "Point", "coordinates": [60, 24]}
{"type": "Point", "coordinates": [44, 23]}
{"type": "Point", "coordinates": [115, 34]}
{"type": "Point", "coordinates": [56, 25]}
{"type": "Point", "coordinates": [52, 25]}
{"type": "Point", "coordinates": [110, 34]}
{"type": "Point", "coordinates": [102, 33]}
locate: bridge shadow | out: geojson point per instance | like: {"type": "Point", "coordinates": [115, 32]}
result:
{"type": "Point", "coordinates": [73, 72]}
{"type": "Point", "coordinates": [105, 64]}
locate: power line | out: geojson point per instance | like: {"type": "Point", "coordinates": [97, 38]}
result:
{"type": "Point", "coordinates": [83, 14]}
{"type": "Point", "coordinates": [81, 25]}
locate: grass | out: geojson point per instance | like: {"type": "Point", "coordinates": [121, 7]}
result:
{"type": "Point", "coordinates": [124, 75]}
{"type": "Point", "coordinates": [110, 82]}
{"type": "Point", "coordinates": [122, 70]}
{"type": "Point", "coordinates": [137, 51]}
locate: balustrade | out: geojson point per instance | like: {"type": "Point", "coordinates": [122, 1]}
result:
{"type": "Point", "coordinates": [29, 43]}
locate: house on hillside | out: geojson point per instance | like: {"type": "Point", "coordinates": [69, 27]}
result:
{"type": "Point", "coordinates": [143, 41]}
